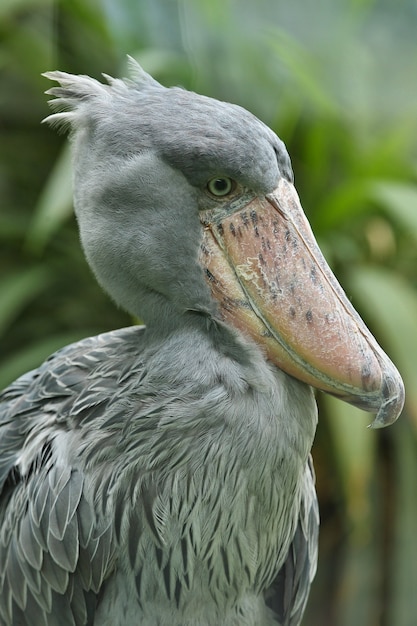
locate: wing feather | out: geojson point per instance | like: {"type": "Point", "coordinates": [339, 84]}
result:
{"type": "Point", "coordinates": [32, 552]}
{"type": "Point", "coordinates": [55, 549]}
{"type": "Point", "coordinates": [288, 594]}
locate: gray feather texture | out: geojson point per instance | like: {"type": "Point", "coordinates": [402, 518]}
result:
{"type": "Point", "coordinates": [159, 475]}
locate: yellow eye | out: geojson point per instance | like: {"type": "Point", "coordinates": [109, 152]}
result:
{"type": "Point", "coordinates": [221, 186]}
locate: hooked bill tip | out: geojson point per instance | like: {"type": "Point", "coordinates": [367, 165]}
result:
{"type": "Point", "coordinates": [393, 400]}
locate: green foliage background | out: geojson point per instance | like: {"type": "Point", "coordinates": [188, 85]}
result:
{"type": "Point", "coordinates": [338, 82]}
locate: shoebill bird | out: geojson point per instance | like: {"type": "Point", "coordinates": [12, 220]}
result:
{"type": "Point", "coordinates": [161, 474]}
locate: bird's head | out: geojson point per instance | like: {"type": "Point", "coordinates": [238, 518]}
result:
{"type": "Point", "coordinates": [186, 206]}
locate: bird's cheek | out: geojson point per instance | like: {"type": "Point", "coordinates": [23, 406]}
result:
{"type": "Point", "coordinates": [271, 281]}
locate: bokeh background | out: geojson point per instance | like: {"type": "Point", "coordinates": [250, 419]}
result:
{"type": "Point", "coordinates": [338, 82]}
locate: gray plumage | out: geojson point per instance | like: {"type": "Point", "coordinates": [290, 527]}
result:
{"type": "Point", "coordinates": [158, 475]}
{"type": "Point", "coordinates": [137, 487]}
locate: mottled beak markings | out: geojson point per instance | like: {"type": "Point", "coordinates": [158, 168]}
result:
{"type": "Point", "coordinates": [271, 282]}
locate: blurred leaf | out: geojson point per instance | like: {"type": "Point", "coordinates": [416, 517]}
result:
{"type": "Point", "coordinates": [18, 290]}
{"type": "Point", "coordinates": [134, 25]}
{"type": "Point", "coordinates": [354, 450]}
{"type": "Point", "coordinates": [54, 205]}
{"type": "Point", "coordinates": [358, 599]}
{"type": "Point", "coordinates": [304, 70]}
{"type": "Point", "coordinates": [402, 609]}
{"type": "Point", "coordinates": [399, 200]}
{"type": "Point", "coordinates": [8, 7]}
{"type": "Point", "coordinates": [390, 305]}
{"type": "Point", "coordinates": [12, 228]}
{"type": "Point", "coordinates": [343, 203]}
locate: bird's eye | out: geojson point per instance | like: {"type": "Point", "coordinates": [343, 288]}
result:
{"type": "Point", "coordinates": [220, 187]}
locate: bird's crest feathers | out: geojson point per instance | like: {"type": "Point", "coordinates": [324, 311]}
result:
{"type": "Point", "coordinates": [140, 77]}
{"type": "Point", "coordinates": [74, 90]}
